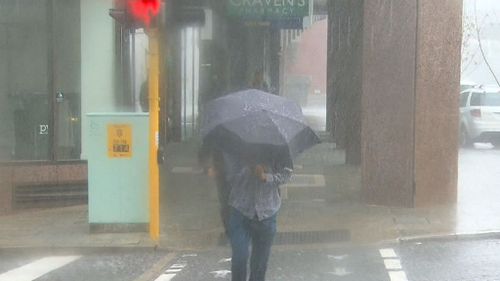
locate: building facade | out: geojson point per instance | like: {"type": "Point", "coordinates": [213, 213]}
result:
{"type": "Point", "coordinates": [62, 59]}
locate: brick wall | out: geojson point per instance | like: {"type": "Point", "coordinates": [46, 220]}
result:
{"type": "Point", "coordinates": [12, 175]}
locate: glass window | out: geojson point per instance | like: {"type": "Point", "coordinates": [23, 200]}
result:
{"type": "Point", "coordinates": [475, 100]}
{"type": "Point", "coordinates": [490, 99]}
{"type": "Point", "coordinates": [24, 99]}
{"type": "Point", "coordinates": [40, 55]}
{"type": "Point", "coordinates": [66, 76]}
{"type": "Point", "coordinates": [485, 99]}
{"type": "Point", "coordinates": [463, 99]}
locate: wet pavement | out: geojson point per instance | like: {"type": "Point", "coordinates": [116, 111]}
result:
{"type": "Point", "coordinates": [105, 265]}
{"type": "Point", "coordinates": [450, 261]}
{"type": "Point", "coordinates": [417, 261]}
{"type": "Point", "coordinates": [323, 200]}
{"type": "Point", "coordinates": [479, 189]}
{"type": "Point", "coordinates": [325, 197]}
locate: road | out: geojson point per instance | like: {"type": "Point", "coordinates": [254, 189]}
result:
{"type": "Point", "coordinates": [77, 265]}
{"type": "Point", "coordinates": [453, 261]}
{"type": "Point", "coordinates": [459, 260]}
{"type": "Point", "coordinates": [478, 188]}
{"type": "Point", "coordinates": [456, 260]}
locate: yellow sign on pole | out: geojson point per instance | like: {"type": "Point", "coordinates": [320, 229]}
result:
{"type": "Point", "coordinates": [119, 141]}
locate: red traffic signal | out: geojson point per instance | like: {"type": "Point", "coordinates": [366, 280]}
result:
{"type": "Point", "coordinates": [144, 10]}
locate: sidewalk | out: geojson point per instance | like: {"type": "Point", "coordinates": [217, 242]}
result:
{"type": "Point", "coordinates": [322, 199]}
{"type": "Point", "coordinates": [67, 227]}
{"type": "Point", "coordinates": [61, 227]}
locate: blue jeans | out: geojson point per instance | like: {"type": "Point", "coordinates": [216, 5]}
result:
{"type": "Point", "coordinates": [260, 234]}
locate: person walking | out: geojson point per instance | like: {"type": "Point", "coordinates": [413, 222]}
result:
{"type": "Point", "coordinates": [259, 134]}
{"type": "Point", "coordinates": [254, 200]}
{"type": "Point", "coordinates": [212, 160]}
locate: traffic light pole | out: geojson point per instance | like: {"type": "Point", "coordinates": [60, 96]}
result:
{"type": "Point", "coordinates": [154, 110]}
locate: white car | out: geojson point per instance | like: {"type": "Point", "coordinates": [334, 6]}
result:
{"type": "Point", "coordinates": [480, 115]}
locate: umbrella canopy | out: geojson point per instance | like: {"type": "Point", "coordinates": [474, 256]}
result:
{"type": "Point", "coordinates": [257, 123]}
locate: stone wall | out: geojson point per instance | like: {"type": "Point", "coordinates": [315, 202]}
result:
{"type": "Point", "coordinates": [26, 174]}
{"type": "Point", "coordinates": [393, 79]}
{"type": "Point", "coordinates": [437, 101]}
{"type": "Point", "coordinates": [388, 109]}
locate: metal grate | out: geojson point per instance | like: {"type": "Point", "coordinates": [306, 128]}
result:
{"type": "Point", "coordinates": [312, 237]}
{"type": "Point", "coordinates": [305, 237]}
{"type": "Point", "coordinates": [50, 195]}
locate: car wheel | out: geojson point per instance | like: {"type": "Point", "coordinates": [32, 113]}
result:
{"type": "Point", "coordinates": [464, 139]}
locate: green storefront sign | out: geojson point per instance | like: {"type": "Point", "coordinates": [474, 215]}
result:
{"type": "Point", "coordinates": [268, 9]}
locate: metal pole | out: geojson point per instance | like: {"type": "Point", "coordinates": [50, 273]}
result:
{"type": "Point", "coordinates": [194, 72]}
{"type": "Point", "coordinates": [154, 109]}
{"type": "Point", "coordinates": [184, 79]}
{"type": "Point", "coordinates": [132, 72]}
{"type": "Point", "coordinates": [53, 109]}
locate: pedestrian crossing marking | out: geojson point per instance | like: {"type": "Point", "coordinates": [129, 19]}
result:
{"type": "Point", "coordinates": [392, 264]}
{"type": "Point", "coordinates": [388, 253]}
{"type": "Point", "coordinates": [225, 260]}
{"type": "Point", "coordinates": [341, 257]}
{"type": "Point", "coordinates": [220, 273]}
{"type": "Point", "coordinates": [37, 268]}
{"type": "Point", "coordinates": [340, 271]}
{"type": "Point", "coordinates": [165, 277]}
{"type": "Point", "coordinates": [397, 276]}
{"type": "Point", "coordinates": [173, 270]}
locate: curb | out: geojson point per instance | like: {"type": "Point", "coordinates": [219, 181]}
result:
{"type": "Point", "coordinates": [80, 249]}
{"type": "Point", "coordinates": [157, 269]}
{"type": "Point", "coordinates": [450, 237]}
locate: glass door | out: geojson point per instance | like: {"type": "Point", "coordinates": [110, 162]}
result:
{"type": "Point", "coordinates": [24, 80]}
{"type": "Point", "coordinates": [39, 80]}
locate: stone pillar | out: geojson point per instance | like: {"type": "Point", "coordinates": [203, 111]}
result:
{"type": "Point", "coordinates": [411, 74]}
{"type": "Point", "coordinates": [439, 40]}
{"type": "Point", "coordinates": [345, 59]}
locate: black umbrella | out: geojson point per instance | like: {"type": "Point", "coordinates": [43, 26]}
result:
{"type": "Point", "coordinates": [258, 124]}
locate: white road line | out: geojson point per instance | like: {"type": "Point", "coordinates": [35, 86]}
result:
{"type": "Point", "coordinates": [221, 273]}
{"type": "Point", "coordinates": [189, 255]}
{"type": "Point", "coordinates": [37, 268]}
{"type": "Point", "coordinates": [165, 277]}
{"type": "Point", "coordinates": [392, 264]}
{"type": "Point", "coordinates": [388, 253]}
{"type": "Point", "coordinates": [397, 276]}
{"type": "Point", "coordinates": [342, 257]}
{"type": "Point", "coordinates": [340, 271]}
{"type": "Point", "coordinates": [225, 260]}
{"type": "Point", "coordinates": [178, 265]}
{"type": "Point", "coordinates": [173, 270]}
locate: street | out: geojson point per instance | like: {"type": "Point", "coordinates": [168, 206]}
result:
{"type": "Point", "coordinates": [77, 264]}
{"type": "Point", "coordinates": [478, 188]}
{"type": "Point", "coordinates": [466, 260]}
{"type": "Point", "coordinates": [455, 260]}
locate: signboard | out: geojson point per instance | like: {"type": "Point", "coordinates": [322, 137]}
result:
{"type": "Point", "coordinates": [269, 10]}
{"type": "Point", "coordinates": [119, 141]}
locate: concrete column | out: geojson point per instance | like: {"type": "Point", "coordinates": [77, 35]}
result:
{"type": "Point", "coordinates": [97, 61]}
{"type": "Point", "coordinates": [409, 131]}
{"type": "Point", "coordinates": [439, 40]}
{"type": "Point", "coordinates": [344, 78]}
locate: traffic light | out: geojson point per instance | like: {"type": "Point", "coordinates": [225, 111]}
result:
{"type": "Point", "coordinates": [144, 10]}
{"type": "Point", "coordinates": [136, 13]}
